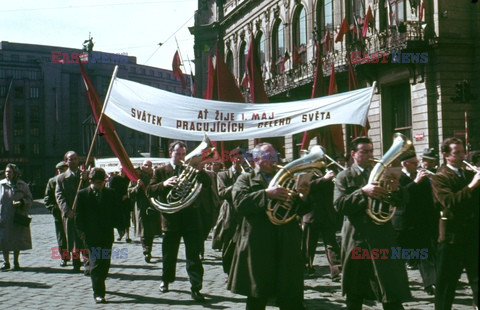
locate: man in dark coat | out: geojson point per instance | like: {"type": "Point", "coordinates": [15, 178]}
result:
{"type": "Point", "coordinates": [147, 220]}
{"type": "Point", "coordinates": [322, 219]}
{"type": "Point", "coordinates": [420, 219]}
{"type": "Point", "coordinates": [375, 278]}
{"type": "Point", "coordinates": [52, 206]}
{"type": "Point", "coordinates": [186, 223]}
{"type": "Point", "coordinates": [457, 192]}
{"type": "Point", "coordinates": [268, 261]}
{"type": "Point", "coordinates": [96, 215]}
{"type": "Point", "coordinates": [227, 220]}
{"type": "Point", "coordinates": [65, 192]}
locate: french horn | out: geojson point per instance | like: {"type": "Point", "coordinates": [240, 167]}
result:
{"type": "Point", "coordinates": [282, 212]}
{"type": "Point", "coordinates": [382, 211]}
{"type": "Point", "coordinates": [188, 187]}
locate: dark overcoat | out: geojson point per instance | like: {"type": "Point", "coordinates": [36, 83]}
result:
{"type": "Point", "coordinates": [360, 231]}
{"type": "Point", "coordinates": [268, 261]}
{"type": "Point", "coordinates": [95, 219]}
{"type": "Point", "coordinates": [186, 219]}
{"type": "Point", "coordinates": [459, 204]}
{"type": "Point", "coordinates": [147, 221]}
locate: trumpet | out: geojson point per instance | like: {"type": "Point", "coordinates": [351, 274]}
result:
{"type": "Point", "coordinates": [469, 165]}
{"type": "Point", "coordinates": [246, 166]}
{"type": "Point", "coordinates": [426, 170]}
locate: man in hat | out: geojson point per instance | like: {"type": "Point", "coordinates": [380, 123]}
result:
{"type": "Point", "coordinates": [52, 206]}
{"type": "Point", "coordinates": [429, 160]}
{"type": "Point", "coordinates": [419, 219]}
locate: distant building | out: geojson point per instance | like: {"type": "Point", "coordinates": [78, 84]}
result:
{"type": "Point", "coordinates": [421, 88]}
{"type": "Point", "coordinates": [49, 111]}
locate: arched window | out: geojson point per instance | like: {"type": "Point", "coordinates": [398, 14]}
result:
{"type": "Point", "coordinates": [325, 19]}
{"type": "Point", "coordinates": [278, 44]}
{"type": "Point", "coordinates": [230, 61]}
{"type": "Point", "coordinates": [242, 55]}
{"type": "Point", "coordinates": [260, 40]}
{"type": "Point", "coordinates": [300, 33]}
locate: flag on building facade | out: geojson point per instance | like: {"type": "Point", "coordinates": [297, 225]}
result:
{"type": "Point", "coordinates": [422, 7]}
{"type": "Point", "coordinates": [110, 134]}
{"type": "Point", "coordinates": [177, 71]}
{"type": "Point", "coordinates": [368, 18]}
{"type": "Point", "coordinates": [355, 130]}
{"type": "Point", "coordinates": [257, 89]}
{"type": "Point", "coordinates": [296, 57]}
{"type": "Point", "coordinates": [211, 90]}
{"type": "Point", "coordinates": [326, 41]}
{"type": "Point", "coordinates": [6, 120]}
{"type": "Point", "coordinates": [342, 31]}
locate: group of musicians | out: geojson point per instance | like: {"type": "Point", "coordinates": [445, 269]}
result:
{"type": "Point", "coordinates": [436, 212]}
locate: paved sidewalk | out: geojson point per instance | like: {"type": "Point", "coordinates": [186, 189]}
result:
{"type": "Point", "coordinates": [132, 283]}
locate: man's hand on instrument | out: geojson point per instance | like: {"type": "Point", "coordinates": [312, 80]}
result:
{"type": "Point", "coordinates": [171, 181]}
{"type": "Point", "coordinates": [374, 191]}
{"type": "Point", "coordinates": [277, 193]}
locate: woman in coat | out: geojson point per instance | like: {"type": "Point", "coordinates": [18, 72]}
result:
{"type": "Point", "coordinates": [15, 197]}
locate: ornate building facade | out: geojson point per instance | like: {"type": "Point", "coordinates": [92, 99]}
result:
{"type": "Point", "coordinates": [424, 56]}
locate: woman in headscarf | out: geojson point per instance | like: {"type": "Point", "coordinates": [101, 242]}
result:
{"type": "Point", "coordinates": [15, 198]}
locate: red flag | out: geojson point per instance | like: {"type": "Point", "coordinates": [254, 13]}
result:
{"type": "Point", "coordinates": [332, 85]}
{"type": "Point", "coordinates": [367, 20]}
{"type": "Point", "coordinates": [342, 31]}
{"type": "Point", "coordinates": [244, 83]}
{"type": "Point", "coordinates": [285, 58]}
{"type": "Point", "coordinates": [192, 85]}
{"type": "Point", "coordinates": [257, 90]}
{"type": "Point", "coordinates": [6, 116]}
{"type": "Point", "coordinates": [352, 79]}
{"type": "Point", "coordinates": [110, 133]}
{"type": "Point", "coordinates": [355, 130]}
{"type": "Point", "coordinates": [317, 89]}
{"type": "Point", "coordinates": [177, 72]}
{"type": "Point", "coordinates": [227, 88]}
{"type": "Point", "coordinates": [422, 7]}
{"type": "Point", "coordinates": [296, 56]}
{"type": "Point", "coordinates": [211, 90]}
{"type": "Point", "coordinates": [326, 41]}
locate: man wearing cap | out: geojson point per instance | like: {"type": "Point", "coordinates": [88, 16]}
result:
{"type": "Point", "coordinates": [419, 219]}
{"type": "Point", "coordinates": [96, 216]}
{"type": "Point", "coordinates": [429, 160]}
{"type": "Point", "coordinates": [52, 206]}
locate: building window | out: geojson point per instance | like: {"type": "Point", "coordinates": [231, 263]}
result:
{"type": "Point", "coordinates": [278, 46]}
{"type": "Point", "coordinates": [261, 47]}
{"type": "Point", "coordinates": [33, 75]}
{"type": "Point", "coordinates": [36, 149]}
{"type": "Point", "coordinates": [18, 149]}
{"type": "Point", "coordinates": [15, 58]}
{"type": "Point", "coordinates": [18, 132]}
{"type": "Point", "coordinates": [230, 60]}
{"type": "Point", "coordinates": [396, 111]}
{"type": "Point", "coordinates": [17, 74]}
{"type": "Point", "coordinates": [328, 16]}
{"type": "Point", "coordinates": [35, 132]}
{"type": "Point", "coordinates": [18, 91]}
{"type": "Point", "coordinates": [300, 33]}
{"type": "Point", "coordinates": [242, 56]}
{"type": "Point", "coordinates": [34, 93]}
{"type": "Point", "coordinates": [397, 12]}
{"type": "Point", "coordinates": [3, 91]}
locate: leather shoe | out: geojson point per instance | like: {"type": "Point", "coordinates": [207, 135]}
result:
{"type": "Point", "coordinates": [100, 300]}
{"type": "Point", "coordinates": [5, 266]}
{"type": "Point", "coordinates": [430, 290]}
{"type": "Point", "coordinates": [148, 257]}
{"type": "Point", "coordinates": [16, 266]}
{"type": "Point", "coordinates": [163, 287]}
{"type": "Point", "coordinates": [197, 296]}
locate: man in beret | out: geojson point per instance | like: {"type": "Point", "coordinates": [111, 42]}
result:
{"type": "Point", "coordinates": [52, 206]}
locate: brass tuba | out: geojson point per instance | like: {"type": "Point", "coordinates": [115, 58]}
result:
{"type": "Point", "coordinates": [382, 211]}
{"type": "Point", "coordinates": [187, 189]}
{"type": "Point", "coordinates": [282, 212]}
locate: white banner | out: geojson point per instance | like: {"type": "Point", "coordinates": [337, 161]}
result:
{"type": "Point", "coordinates": [165, 114]}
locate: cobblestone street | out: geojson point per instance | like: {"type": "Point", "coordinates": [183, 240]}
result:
{"type": "Point", "coordinates": [132, 283]}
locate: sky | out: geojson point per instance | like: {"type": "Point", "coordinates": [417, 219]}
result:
{"type": "Point", "coordinates": [117, 26]}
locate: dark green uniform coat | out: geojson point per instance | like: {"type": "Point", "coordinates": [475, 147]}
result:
{"type": "Point", "coordinates": [389, 282]}
{"type": "Point", "coordinates": [268, 261]}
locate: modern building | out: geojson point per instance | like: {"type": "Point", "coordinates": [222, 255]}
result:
{"type": "Point", "coordinates": [424, 56]}
{"type": "Point", "coordinates": [49, 112]}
